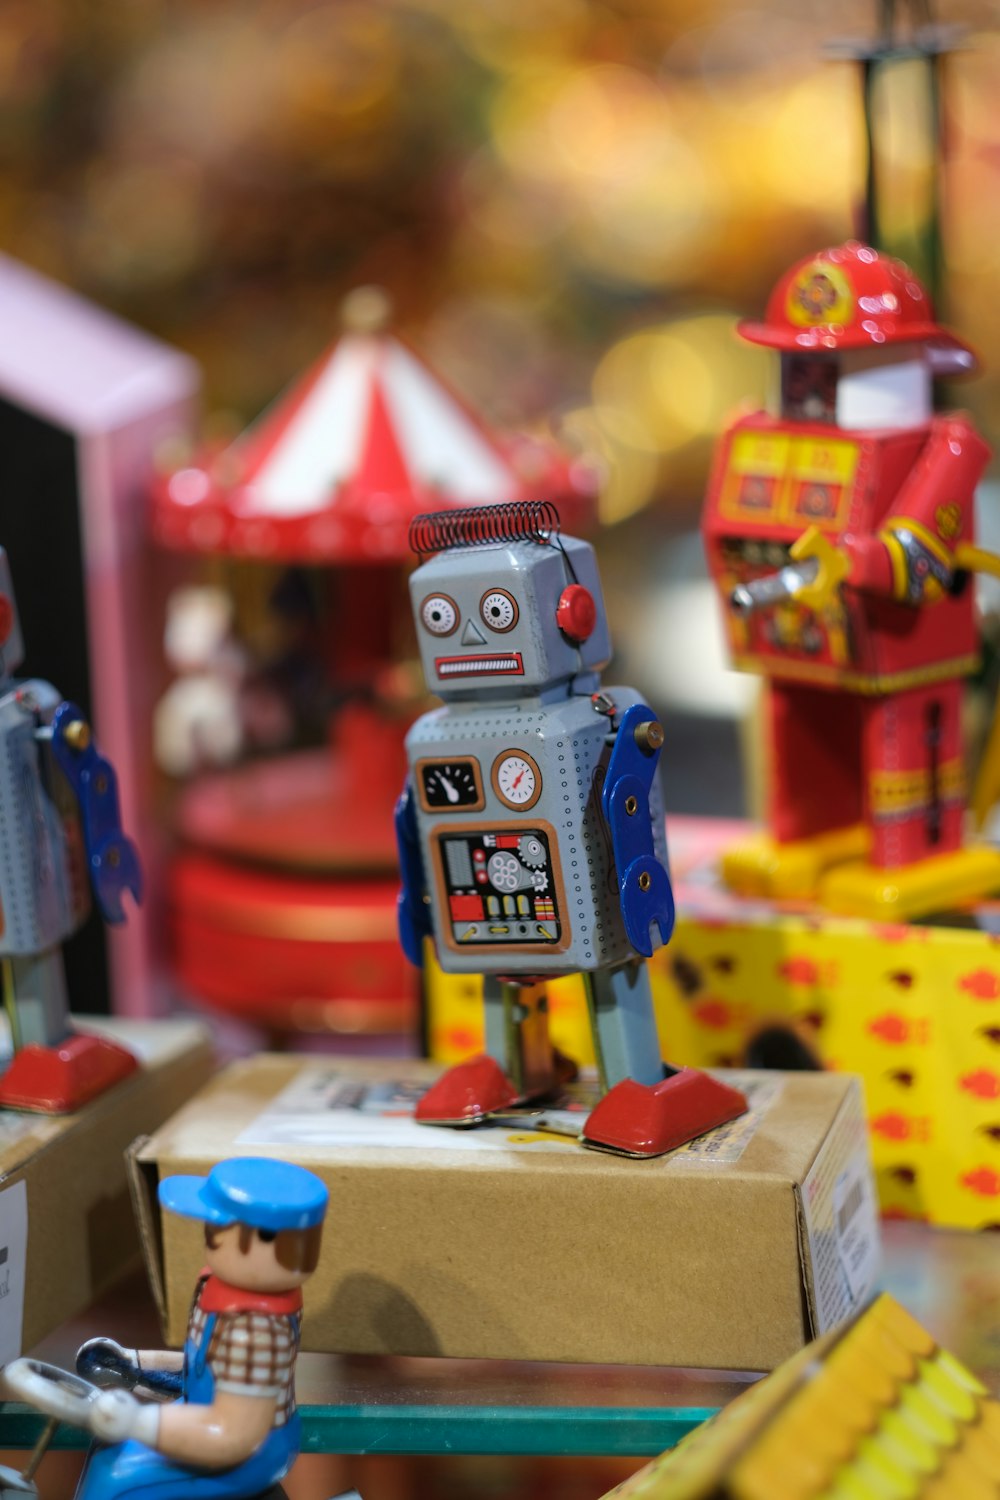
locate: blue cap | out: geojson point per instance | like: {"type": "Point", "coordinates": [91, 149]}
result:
{"type": "Point", "coordinates": [252, 1190]}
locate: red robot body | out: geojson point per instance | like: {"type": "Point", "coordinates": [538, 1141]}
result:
{"type": "Point", "coordinates": [840, 549]}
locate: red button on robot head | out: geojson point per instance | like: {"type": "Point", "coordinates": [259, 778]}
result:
{"type": "Point", "coordinates": [576, 612]}
{"type": "Point", "coordinates": [6, 619]}
{"type": "Point", "coordinates": [851, 297]}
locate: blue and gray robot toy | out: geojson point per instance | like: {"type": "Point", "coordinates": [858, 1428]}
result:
{"type": "Point", "coordinates": [531, 828]}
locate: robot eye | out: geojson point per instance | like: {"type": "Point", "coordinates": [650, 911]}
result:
{"type": "Point", "coordinates": [439, 614]}
{"type": "Point", "coordinates": [499, 610]}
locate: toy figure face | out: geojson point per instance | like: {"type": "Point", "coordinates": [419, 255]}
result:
{"type": "Point", "coordinates": [809, 387]}
{"type": "Point", "coordinates": [249, 1259]}
{"type": "Point", "coordinates": [860, 389]}
{"type": "Point", "coordinates": [486, 618]}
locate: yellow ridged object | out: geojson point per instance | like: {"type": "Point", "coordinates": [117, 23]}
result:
{"type": "Point", "coordinates": [874, 1410]}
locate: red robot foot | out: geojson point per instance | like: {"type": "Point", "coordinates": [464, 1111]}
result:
{"type": "Point", "coordinates": [636, 1119]}
{"type": "Point", "coordinates": [58, 1080]}
{"type": "Point", "coordinates": [467, 1094]}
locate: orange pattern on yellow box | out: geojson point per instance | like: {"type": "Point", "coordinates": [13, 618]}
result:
{"type": "Point", "coordinates": [874, 1410]}
{"type": "Point", "coordinates": [914, 1010]}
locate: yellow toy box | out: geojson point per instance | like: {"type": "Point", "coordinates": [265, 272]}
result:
{"type": "Point", "coordinates": [914, 1009]}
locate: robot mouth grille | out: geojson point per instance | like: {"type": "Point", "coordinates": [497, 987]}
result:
{"type": "Point", "coordinates": [509, 663]}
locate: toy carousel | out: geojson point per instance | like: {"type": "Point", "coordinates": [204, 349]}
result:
{"type": "Point", "coordinates": [283, 886]}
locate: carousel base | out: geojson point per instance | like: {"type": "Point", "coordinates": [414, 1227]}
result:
{"type": "Point", "coordinates": [291, 953]}
{"type": "Point", "coordinates": [308, 811]}
{"type": "Point", "coordinates": [283, 905]}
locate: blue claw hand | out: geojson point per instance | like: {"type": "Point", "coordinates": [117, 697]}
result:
{"type": "Point", "coordinates": [112, 858]}
{"type": "Point", "coordinates": [647, 898]}
{"type": "Point", "coordinates": [115, 869]}
{"type": "Point", "coordinates": [412, 915]}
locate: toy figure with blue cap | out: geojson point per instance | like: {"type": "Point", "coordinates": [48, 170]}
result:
{"type": "Point", "coordinates": [232, 1431]}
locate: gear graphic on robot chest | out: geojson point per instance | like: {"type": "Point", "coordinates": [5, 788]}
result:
{"type": "Point", "coordinates": [499, 886]}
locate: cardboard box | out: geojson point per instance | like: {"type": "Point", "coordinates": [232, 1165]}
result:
{"type": "Point", "coordinates": [913, 1009]}
{"type": "Point", "coordinates": [67, 1231]}
{"type": "Point", "coordinates": [506, 1243]}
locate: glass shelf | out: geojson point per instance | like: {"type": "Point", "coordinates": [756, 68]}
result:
{"type": "Point", "coordinates": [369, 1404]}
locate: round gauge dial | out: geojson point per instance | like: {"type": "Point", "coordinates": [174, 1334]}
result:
{"type": "Point", "coordinates": [439, 614]}
{"type": "Point", "coordinates": [450, 783]}
{"type": "Point", "coordinates": [499, 610]}
{"type": "Point", "coordinates": [517, 779]}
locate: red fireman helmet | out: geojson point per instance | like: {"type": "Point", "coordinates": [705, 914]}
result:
{"type": "Point", "coordinates": [852, 297]}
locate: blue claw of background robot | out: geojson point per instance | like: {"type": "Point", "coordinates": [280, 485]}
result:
{"type": "Point", "coordinates": [112, 858]}
{"type": "Point", "coordinates": [412, 913]}
{"type": "Point", "coordinates": [115, 869]}
{"type": "Point", "coordinates": [647, 897]}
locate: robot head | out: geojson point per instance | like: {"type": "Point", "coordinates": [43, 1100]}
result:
{"type": "Point", "coordinates": [11, 640]}
{"type": "Point", "coordinates": [506, 607]}
{"type": "Point", "coordinates": [858, 341]}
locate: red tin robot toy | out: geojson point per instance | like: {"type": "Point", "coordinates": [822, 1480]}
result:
{"type": "Point", "coordinates": [840, 533]}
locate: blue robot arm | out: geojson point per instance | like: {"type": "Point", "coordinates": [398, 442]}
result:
{"type": "Point", "coordinates": [112, 858]}
{"type": "Point", "coordinates": [412, 912]}
{"type": "Point", "coordinates": [647, 898]}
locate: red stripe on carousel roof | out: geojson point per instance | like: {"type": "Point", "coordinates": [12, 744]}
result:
{"type": "Point", "coordinates": [382, 469]}
{"type": "Point", "coordinates": [253, 448]}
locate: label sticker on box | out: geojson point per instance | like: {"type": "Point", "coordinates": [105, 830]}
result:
{"type": "Point", "coordinates": [854, 1213]}
{"type": "Point", "coordinates": [841, 1218]}
{"type": "Point", "coordinates": [13, 1262]}
{"type": "Point", "coordinates": [321, 1107]}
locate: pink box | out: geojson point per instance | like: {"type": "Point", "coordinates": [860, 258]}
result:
{"type": "Point", "coordinates": [86, 402]}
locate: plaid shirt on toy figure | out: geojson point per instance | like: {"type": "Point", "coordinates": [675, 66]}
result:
{"type": "Point", "coordinates": [234, 1432]}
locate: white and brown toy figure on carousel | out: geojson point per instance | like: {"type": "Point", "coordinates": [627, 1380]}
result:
{"type": "Point", "coordinates": [531, 829]}
{"type": "Point", "coordinates": [840, 532]}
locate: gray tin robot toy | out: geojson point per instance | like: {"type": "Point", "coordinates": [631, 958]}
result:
{"type": "Point", "coordinates": [59, 835]}
{"type": "Point", "coordinates": [531, 828]}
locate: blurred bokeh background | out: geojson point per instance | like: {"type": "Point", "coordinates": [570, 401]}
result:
{"type": "Point", "coordinates": [569, 202]}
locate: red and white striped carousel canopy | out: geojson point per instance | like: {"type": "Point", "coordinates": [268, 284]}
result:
{"type": "Point", "coordinates": [337, 467]}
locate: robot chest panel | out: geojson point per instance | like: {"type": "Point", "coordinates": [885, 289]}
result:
{"type": "Point", "coordinates": [774, 482]}
{"type": "Point", "coordinates": [516, 849]}
{"type": "Point", "coordinates": [772, 485]}
{"type": "Point", "coordinates": [500, 888]}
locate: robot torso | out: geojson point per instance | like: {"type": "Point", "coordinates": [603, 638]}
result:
{"type": "Point", "coordinates": [774, 478]}
{"type": "Point", "coordinates": [516, 849]}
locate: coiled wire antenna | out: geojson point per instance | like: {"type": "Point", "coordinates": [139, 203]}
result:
{"type": "Point", "coordinates": [484, 526]}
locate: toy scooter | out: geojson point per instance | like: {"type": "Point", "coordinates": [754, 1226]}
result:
{"type": "Point", "coordinates": [65, 1397]}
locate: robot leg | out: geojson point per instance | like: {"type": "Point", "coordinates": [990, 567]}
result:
{"type": "Point", "coordinates": [620, 1006]}
{"type": "Point", "coordinates": [645, 1113]}
{"type": "Point", "coordinates": [519, 1062]}
{"type": "Point", "coordinates": [54, 1069]}
{"type": "Point", "coordinates": [915, 801]}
